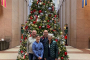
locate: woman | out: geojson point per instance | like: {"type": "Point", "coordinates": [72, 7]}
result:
{"type": "Point", "coordinates": [50, 49]}
{"type": "Point", "coordinates": [38, 49]}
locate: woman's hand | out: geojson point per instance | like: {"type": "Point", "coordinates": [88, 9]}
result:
{"type": "Point", "coordinates": [44, 58]}
{"type": "Point", "coordinates": [55, 58]}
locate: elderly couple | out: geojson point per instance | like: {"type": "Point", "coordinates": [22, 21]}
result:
{"type": "Point", "coordinates": [43, 48]}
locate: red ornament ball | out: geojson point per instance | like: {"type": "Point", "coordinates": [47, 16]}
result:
{"type": "Point", "coordinates": [43, 3]}
{"type": "Point", "coordinates": [56, 40]}
{"type": "Point", "coordinates": [26, 27]}
{"type": "Point", "coordinates": [31, 17]}
{"type": "Point", "coordinates": [39, 27]}
{"type": "Point", "coordinates": [34, 10]}
{"type": "Point", "coordinates": [21, 51]}
{"type": "Point", "coordinates": [26, 22]}
{"type": "Point", "coordinates": [31, 12]}
{"type": "Point", "coordinates": [55, 16]}
{"type": "Point", "coordinates": [65, 53]}
{"type": "Point", "coordinates": [49, 15]}
{"type": "Point", "coordinates": [25, 38]}
{"type": "Point", "coordinates": [40, 11]}
{"type": "Point", "coordinates": [37, 2]}
{"type": "Point", "coordinates": [34, 22]}
{"type": "Point", "coordinates": [21, 37]}
{"type": "Point", "coordinates": [62, 58]}
{"type": "Point", "coordinates": [20, 41]}
{"type": "Point", "coordinates": [47, 20]}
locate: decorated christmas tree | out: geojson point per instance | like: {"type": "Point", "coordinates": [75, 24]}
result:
{"type": "Point", "coordinates": [43, 16]}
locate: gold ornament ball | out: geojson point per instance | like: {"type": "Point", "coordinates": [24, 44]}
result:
{"type": "Point", "coordinates": [44, 21]}
{"type": "Point", "coordinates": [32, 24]}
{"type": "Point", "coordinates": [51, 28]}
{"type": "Point", "coordinates": [35, 25]}
{"type": "Point", "coordinates": [24, 47]}
{"type": "Point", "coordinates": [40, 32]}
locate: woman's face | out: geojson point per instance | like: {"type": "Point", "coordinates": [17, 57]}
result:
{"type": "Point", "coordinates": [49, 37]}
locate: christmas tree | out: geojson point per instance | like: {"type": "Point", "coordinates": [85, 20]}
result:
{"type": "Point", "coordinates": [43, 16]}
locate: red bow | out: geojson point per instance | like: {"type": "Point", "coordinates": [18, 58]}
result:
{"type": "Point", "coordinates": [48, 26]}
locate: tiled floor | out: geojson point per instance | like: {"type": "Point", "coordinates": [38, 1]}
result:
{"type": "Point", "coordinates": [74, 54]}
{"type": "Point", "coordinates": [78, 54]}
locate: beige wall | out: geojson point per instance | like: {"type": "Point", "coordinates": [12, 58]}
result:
{"type": "Point", "coordinates": [83, 24]}
{"type": "Point", "coordinates": [11, 19]}
{"type": "Point", "coordinates": [5, 20]}
{"type": "Point", "coordinates": [78, 20]}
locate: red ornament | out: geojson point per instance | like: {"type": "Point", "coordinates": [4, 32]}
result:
{"type": "Point", "coordinates": [34, 10]}
{"type": "Point", "coordinates": [54, 21]}
{"type": "Point", "coordinates": [55, 16]}
{"type": "Point", "coordinates": [26, 22]}
{"type": "Point", "coordinates": [65, 37]}
{"type": "Point", "coordinates": [30, 35]}
{"type": "Point", "coordinates": [22, 37]}
{"type": "Point", "coordinates": [40, 11]}
{"type": "Point", "coordinates": [58, 53]}
{"type": "Point", "coordinates": [48, 1]}
{"type": "Point", "coordinates": [20, 41]}
{"type": "Point", "coordinates": [31, 12]}
{"type": "Point", "coordinates": [43, 3]}
{"type": "Point", "coordinates": [37, 2]}
{"type": "Point", "coordinates": [31, 17]}
{"type": "Point", "coordinates": [65, 53]}
{"type": "Point", "coordinates": [26, 27]}
{"type": "Point", "coordinates": [25, 38]}
{"type": "Point", "coordinates": [49, 15]}
{"type": "Point", "coordinates": [62, 58]}
{"type": "Point", "coordinates": [39, 27]}
{"type": "Point", "coordinates": [21, 51]}
{"type": "Point", "coordinates": [47, 20]}
{"type": "Point", "coordinates": [52, 8]}
{"type": "Point", "coordinates": [34, 22]}
{"type": "Point", "coordinates": [48, 26]}
{"type": "Point", "coordinates": [24, 56]}
{"type": "Point", "coordinates": [54, 30]}
{"type": "Point", "coordinates": [56, 40]}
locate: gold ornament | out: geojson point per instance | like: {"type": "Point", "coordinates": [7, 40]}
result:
{"type": "Point", "coordinates": [51, 28]}
{"type": "Point", "coordinates": [32, 24]}
{"type": "Point", "coordinates": [44, 21]}
{"type": "Point", "coordinates": [40, 32]}
{"type": "Point", "coordinates": [24, 47]}
{"type": "Point", "coordinates": [35, 25]}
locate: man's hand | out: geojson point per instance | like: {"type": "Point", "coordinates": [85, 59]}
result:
{"type": "Point", "coordinates": [55, 58]}
{"type": "Point", "coordinates": [44, 58]}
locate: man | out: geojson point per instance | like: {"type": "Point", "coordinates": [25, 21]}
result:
{"type": "Point", "coordinates": [44, 39]}
{"type": "Point", "coordinates": [29, 44]}
{"type": "Point", "coordinates": [38, 49]}
{"type": "Point", "coordinates": [51, 49]}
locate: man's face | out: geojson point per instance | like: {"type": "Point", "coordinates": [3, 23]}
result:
{"type": "Point", "coordinates": [45, 33]}
{"type": "Point", "coordinates": [34, 33]}
{"type": "Point", "coordinates": [38, 38]}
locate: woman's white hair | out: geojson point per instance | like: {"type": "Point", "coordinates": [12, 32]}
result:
{"type": "Point", "coordinates": [50, 34]}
